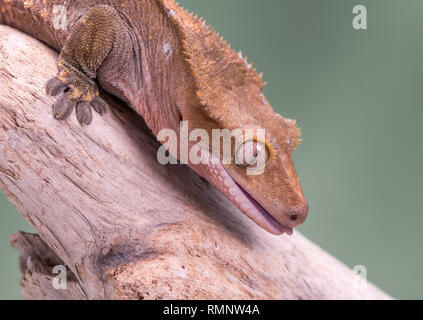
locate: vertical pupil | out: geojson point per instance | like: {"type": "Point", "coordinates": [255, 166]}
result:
{"type": "Point", "coordinates": [257, 149]}
{"type": "Point", "coordinates": [253, 150]}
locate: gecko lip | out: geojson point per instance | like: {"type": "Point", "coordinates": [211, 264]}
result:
{"type": "Point", "coordinates": [266, 214]}
{"type": "Point", "coordinates": [257, 213]}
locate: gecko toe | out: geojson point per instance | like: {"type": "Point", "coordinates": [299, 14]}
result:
{"type": "Point", "coordinates": [54, 87]}
{"type": "Point", "coordinates": [84, 113]}
{"type": "Point", "coordinates": [99, 105]}
{"type": "Point", "coordinates": [63, 108]}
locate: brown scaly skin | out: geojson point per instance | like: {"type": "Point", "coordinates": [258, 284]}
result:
{"type": "Point", "coordinates": [169, 66]}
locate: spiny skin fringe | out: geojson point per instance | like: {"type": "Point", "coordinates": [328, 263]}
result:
{"type": "Point", "coordinates": [203, 97]}
{"type": "Point", "coordinates": [299, 133]}
{"type": "Point", "coordinates": [219, 36]}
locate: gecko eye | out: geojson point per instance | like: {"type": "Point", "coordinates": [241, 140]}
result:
{"type": "Point", "coordinates": [250, 153]}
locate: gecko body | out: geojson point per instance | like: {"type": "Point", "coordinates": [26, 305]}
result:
{"type": "Point", "coordinates": [169, 66]}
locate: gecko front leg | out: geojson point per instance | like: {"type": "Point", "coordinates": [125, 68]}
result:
{"type": "Point", "coordinates": [90, 42]}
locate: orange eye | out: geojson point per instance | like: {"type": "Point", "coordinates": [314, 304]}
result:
{"type": "Point", "coordinates": [252, 152]}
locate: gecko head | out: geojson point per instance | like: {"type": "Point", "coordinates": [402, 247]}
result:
{"type": "Point", "coordinates": [258, 175]}
{"type": "Point", "coordinates": [266, 187]}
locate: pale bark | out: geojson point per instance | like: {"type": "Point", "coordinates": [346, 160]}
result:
{"type": "Point", "coordinates": [125, 226]}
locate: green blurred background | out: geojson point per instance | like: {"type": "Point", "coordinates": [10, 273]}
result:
{"type": "Point", "coordinates": [358, 97]}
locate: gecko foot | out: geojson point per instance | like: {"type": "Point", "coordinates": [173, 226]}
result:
{"type": "Point", "coordinates": [75, 91]}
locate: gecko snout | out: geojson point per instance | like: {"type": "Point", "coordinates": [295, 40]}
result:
{"type": "Point", "coordinates": [295, 215]}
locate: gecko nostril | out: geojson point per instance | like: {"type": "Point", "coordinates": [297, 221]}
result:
{"type": "Point", "coordinates": [294, 217]}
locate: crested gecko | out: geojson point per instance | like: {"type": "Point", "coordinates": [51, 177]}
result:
{"type": "Point", "coordinates": [170, 66]}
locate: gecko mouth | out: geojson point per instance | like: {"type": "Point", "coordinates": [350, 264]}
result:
{"type": "Point", "coordinates": [266, 215]}
{"type": "Point", "coordinates": [254, 210]}
{"type": "Point", "coordinates": [213, 171]}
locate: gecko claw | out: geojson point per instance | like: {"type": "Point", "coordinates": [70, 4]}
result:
{"type": "Point", "coordinates": [54, 87]}
{"type": "Point", "coordinates": [84, 113]}
{"type": "Point", "coordinates": [99, 105]}
{"type": "Point", "coordinates": [63, 108]}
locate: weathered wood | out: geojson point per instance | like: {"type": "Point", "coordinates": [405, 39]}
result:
{"type": "Point", "coordinates": [125, 226]}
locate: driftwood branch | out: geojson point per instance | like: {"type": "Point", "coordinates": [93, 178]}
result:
{"type": "Point", "coordinates": [125, 226]}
